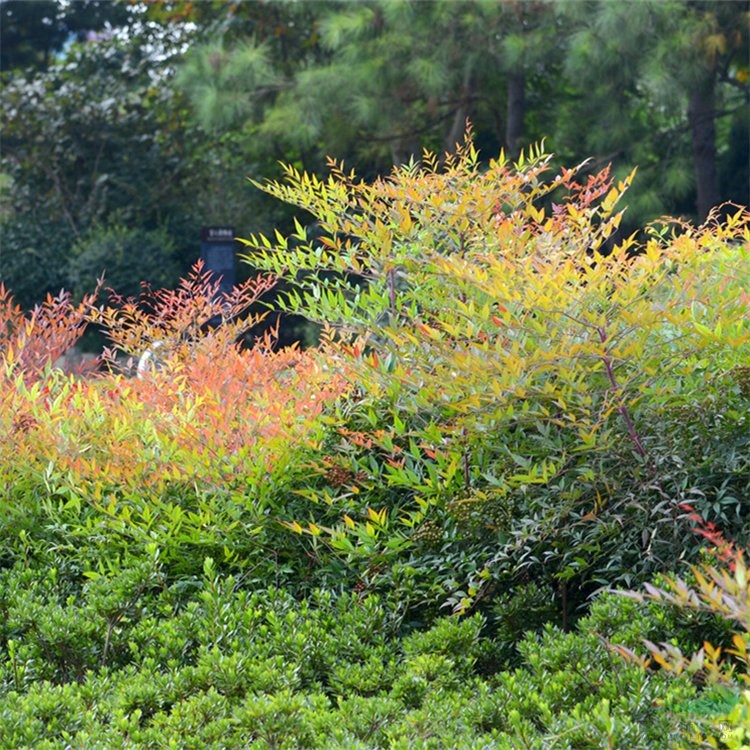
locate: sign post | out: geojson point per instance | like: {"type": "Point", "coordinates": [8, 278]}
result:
{"type": "Point", "coordinates": [218, 249]}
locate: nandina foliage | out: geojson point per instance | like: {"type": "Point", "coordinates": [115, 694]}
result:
{"type": "Point", "coordinates": [177, 321]}
{"type": "Point", "coordinates": [509, 407]}
{"type": "Point", "coordinates": [506, 394]}
{"type": "Point", "coordinates": [31, 342]}
{"type": "Point", "coordinates": [195, 453]}
{"type": "Point", "coordinates": [717, 589]}
{"type": "Point", "coordinates": [533, 390]}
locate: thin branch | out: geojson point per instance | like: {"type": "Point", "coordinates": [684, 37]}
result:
{"type": "Point", "coordinates": [622, 408]}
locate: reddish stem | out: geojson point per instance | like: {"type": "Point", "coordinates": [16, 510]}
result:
{"type": "Point", "coordinates": [622, 408]}
{"type": "Point", "coordinates": [392, 291]}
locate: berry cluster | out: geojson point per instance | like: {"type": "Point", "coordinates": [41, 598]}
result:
{"type": "Point", "coordinates": [338, 476]}
{"type": "Point", "coordinates": [479, 509]}
{"type": "Point", "coordinates": [462, 509]}
{"type": "Point", "coordinates": [741, 375]}
{"type": "Point", "coordinates": [428, 532]}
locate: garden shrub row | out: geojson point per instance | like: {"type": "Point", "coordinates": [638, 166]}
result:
{"type": "Point", "coordinates": [131, 662]}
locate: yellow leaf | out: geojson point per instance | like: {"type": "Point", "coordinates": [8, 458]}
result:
{"type": "Point", "coordinates": [406, 223]}
{"type": "Point", "coordinates": [713, 652]}
{"type": "Point", "coordinates": [714, 45]}
{"type": "Point", "coordinates": [741, 574]}
{"type": "Point", "coordinates": [661, 661]}
{"type": "Point", "coordinates": [740, 645]}
{"type": "Point", "coordinates": [609, 201]}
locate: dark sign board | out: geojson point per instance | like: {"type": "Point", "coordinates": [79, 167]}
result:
{"type": "Point", "coordinates": [218, 249]}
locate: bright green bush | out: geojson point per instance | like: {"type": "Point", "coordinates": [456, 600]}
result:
{"type": "Point", "coordinates": [133, 662]}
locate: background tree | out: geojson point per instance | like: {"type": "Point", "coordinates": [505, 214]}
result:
{"type": "Point", "coordinates": [375, 81]}
{"type": "Point", "coordinates": [705, 53]}
{"type": "Point", "coordinates": [245, 57]}
{"type": "Point", "coordinates": [32, 33]}
{"type": "Point", "coordinates": [29, 33]}
{"type": "Point", "coordinates": [649, 83]}
{"type": "Point", "coordinates": [96, 139]}
{"type": "Point", "coordinates": [98, 144]}
{"type": "Point", "coordinates": [156, 121]}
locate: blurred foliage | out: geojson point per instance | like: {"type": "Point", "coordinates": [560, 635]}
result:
{"type": "Point", "coordinates": [33, 251]}
{"type": "Point", "coordinates": [125, 258]}
{"type": "Point", "coordinates": [29, 33]}
{"type": "Point", "coordinates": [378, 81]}
{"type": "Point", "coordinates": [96, 138]}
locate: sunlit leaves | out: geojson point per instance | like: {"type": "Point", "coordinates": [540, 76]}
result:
{"type": "Point", "coordinates": [179, 319]}
{"type": "Point", "coordinates": [502, 338]}
{"type": "Point", "coordinates": [189, 453]}
{"type": "Point", "coordinates": [29, 342]}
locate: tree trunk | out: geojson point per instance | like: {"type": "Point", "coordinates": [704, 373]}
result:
{"type": "Point", "coordinates": [701, 114]}
{"type": "Point", "coordinates": [516, 113]}
{"type": "Point", "coordinates": [457, 132]}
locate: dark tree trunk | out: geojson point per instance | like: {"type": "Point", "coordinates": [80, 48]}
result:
{"type": "Point", "coordinates": [701, 114]}
{"type": "Point", "coordinates": [457, 132]}
{"type": "Point", "coordinates": [516, 113]}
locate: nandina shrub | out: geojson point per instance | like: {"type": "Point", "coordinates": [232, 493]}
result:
{"type": "Point", "coordinates": [472, 432]}
{"type": "Point", "coordinates": [197, 456]}
{"type": "Point", "coordinates": [173, 325]}
{"type": "Point", "coordinates": [715, 591]}
{"type": "Point", "coordinates": [519, 373]}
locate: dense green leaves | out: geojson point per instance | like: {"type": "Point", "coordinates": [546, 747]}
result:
{"type": "Point", "coordinates": [518, 375]}
{"type": "Point", "coordinates": [126, 258]}
{"type": "Point", "coordinates": [264, 548]}
{"type": "Point", "coordinates": [96, 139]}
{"type": "Point", "coordinates": [154, 666]}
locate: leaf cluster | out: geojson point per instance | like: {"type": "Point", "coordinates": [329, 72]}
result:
{"type": "Point", "coordinates": [508, 410]}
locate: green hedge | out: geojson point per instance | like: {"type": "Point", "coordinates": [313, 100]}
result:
{"type": "Point", "coordinates": [129, 661]}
